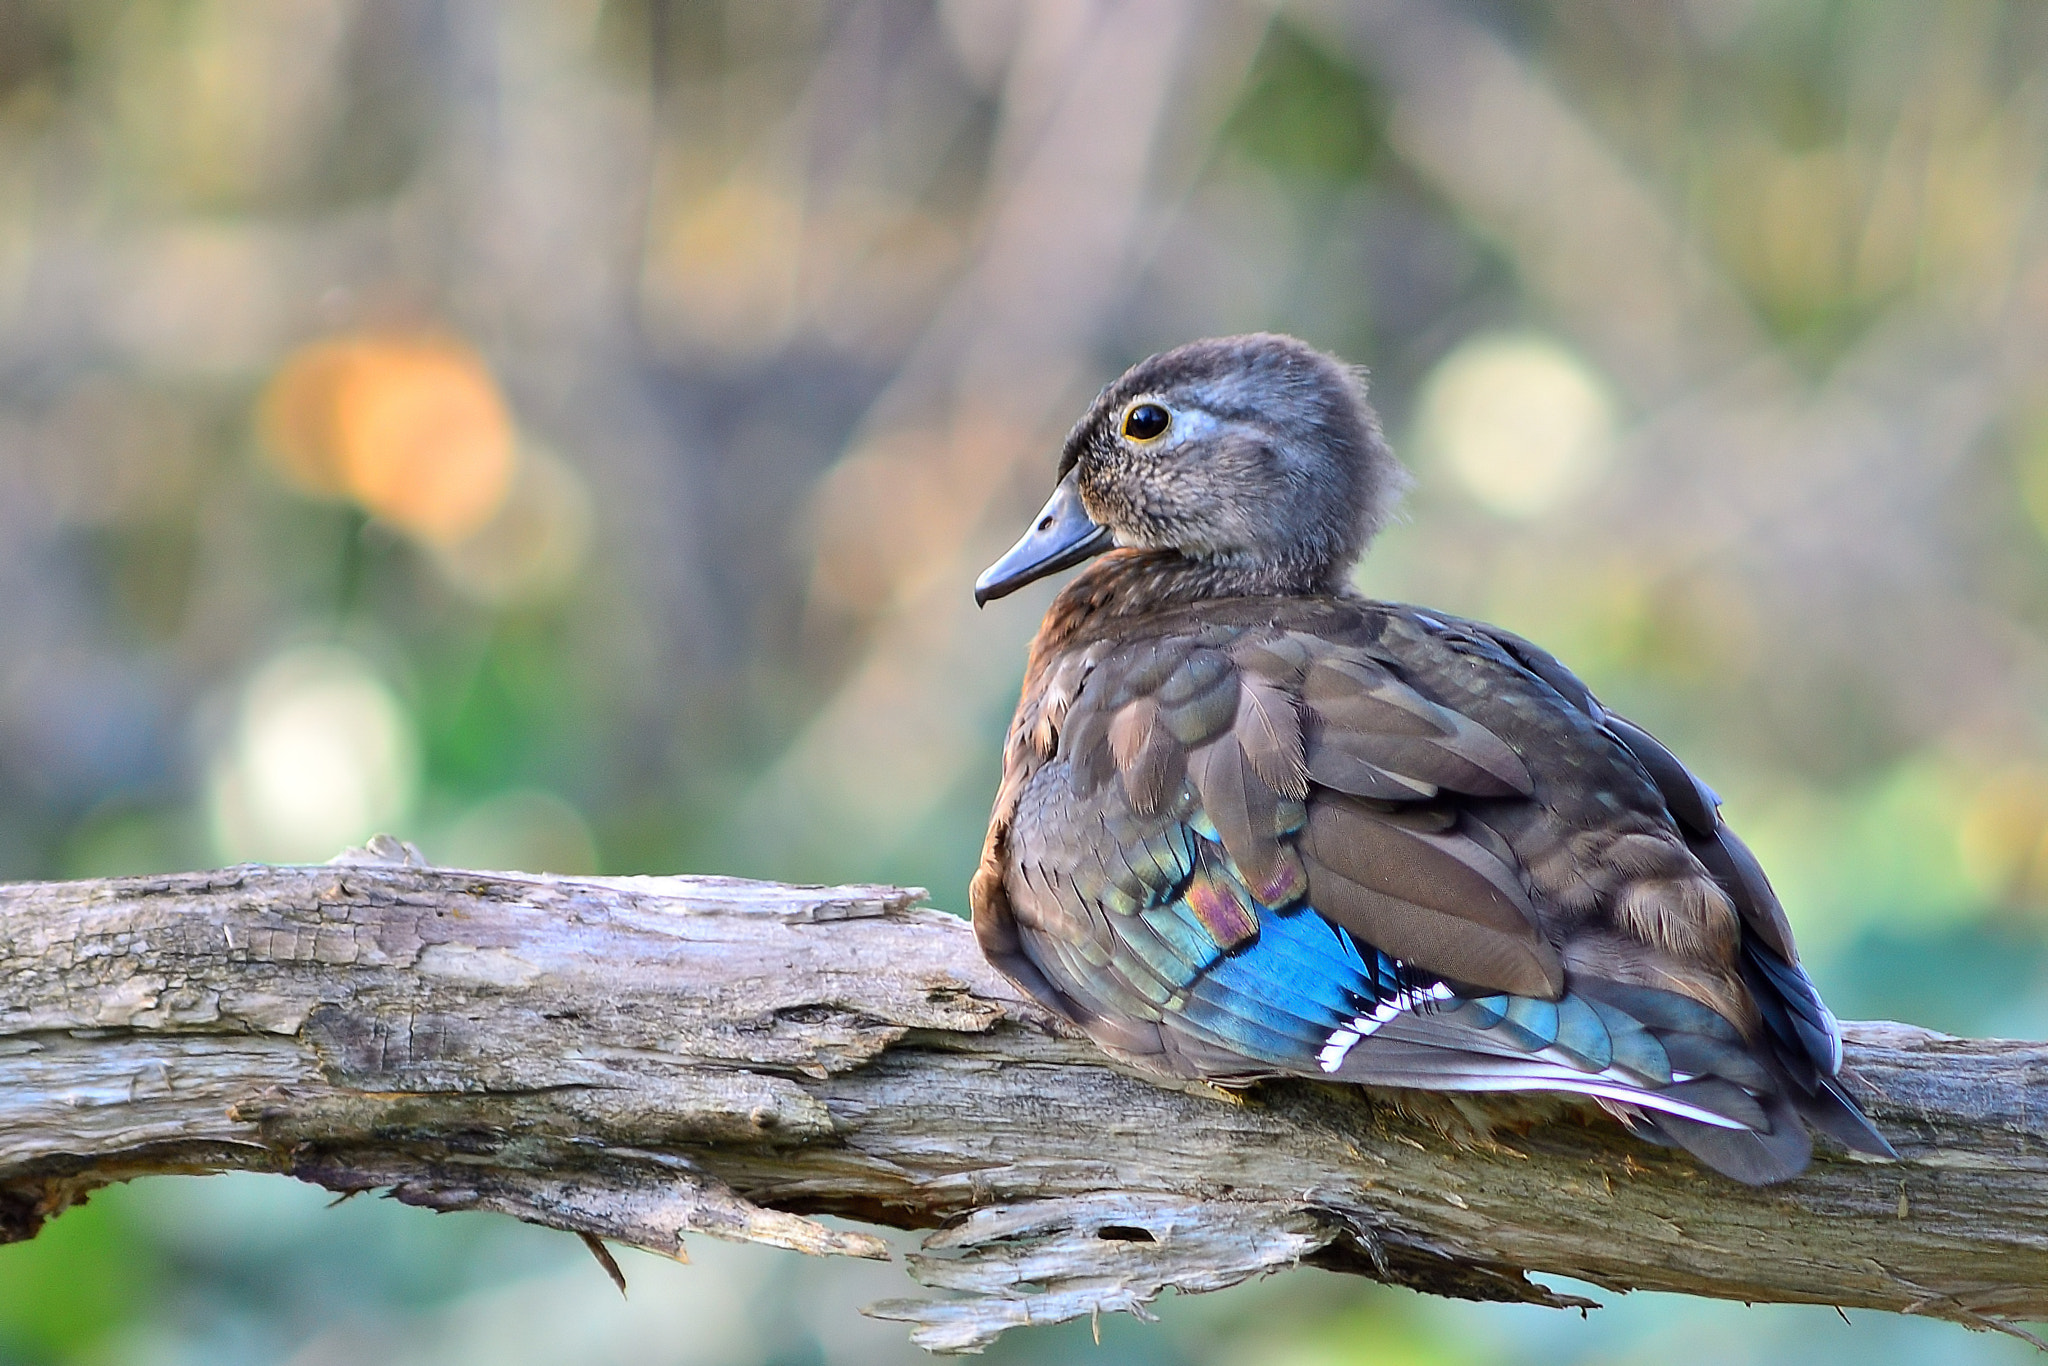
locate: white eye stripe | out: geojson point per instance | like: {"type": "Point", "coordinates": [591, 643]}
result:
{"type": "Point", "coordinates": [1189, 424]}
{"type": "Point", "coordinates": [1183, 423]}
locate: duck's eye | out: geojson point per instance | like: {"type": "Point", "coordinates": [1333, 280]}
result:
{"type": "Point", "coordinates": [1146, 421]}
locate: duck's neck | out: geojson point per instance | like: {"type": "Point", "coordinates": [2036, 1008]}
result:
{"type": "Point", "coordinates": [1126, 582]}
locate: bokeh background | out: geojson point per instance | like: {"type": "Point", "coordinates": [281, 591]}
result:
{"type": "Point", "coordinates": [564, 432]}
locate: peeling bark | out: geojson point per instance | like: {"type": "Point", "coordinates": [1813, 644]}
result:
{"type": "Point", "coordinates": [638, 1059]}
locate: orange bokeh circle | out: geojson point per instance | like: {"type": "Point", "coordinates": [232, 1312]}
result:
{"type": "Point", "coordinates": [415, 430]}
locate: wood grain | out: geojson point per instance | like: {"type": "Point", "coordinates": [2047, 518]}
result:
{"type": "Point", "coordinates": [644, 1058]}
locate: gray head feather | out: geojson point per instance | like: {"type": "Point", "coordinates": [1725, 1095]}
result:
{"type": "Point", "coordinates": [1271, 466]}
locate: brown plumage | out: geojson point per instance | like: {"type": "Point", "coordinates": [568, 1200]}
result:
{"type": "Point", "coordinates": [1252, 824]}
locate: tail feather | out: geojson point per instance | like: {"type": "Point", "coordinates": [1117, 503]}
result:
{"type": "Point", "coordinates": [1497, 1074]}
{"type": "Point", "coordinates": [1832, 1112]}
{"type": "Point", "coordinates": [1793, 1012]}
{"type": "Point", "coordinates": [1740, 1108]}
{"type": "Point", "coordinates": [1755, 1157]}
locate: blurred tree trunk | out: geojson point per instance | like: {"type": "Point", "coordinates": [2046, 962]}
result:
{"type": "Point", "coordinates": [639, 1058]}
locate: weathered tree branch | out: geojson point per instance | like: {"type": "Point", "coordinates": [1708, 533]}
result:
{"type": "Point", "coordinates": [641, 1058]}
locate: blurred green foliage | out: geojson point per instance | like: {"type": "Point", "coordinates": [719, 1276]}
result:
{"type": "Point", "coordinates": [1308, 114]}
{"type": "Point", "coordinates": [83, 1282]}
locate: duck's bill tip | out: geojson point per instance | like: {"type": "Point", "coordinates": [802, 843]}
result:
{"type": "Point", "coordinates": [1061, 536]}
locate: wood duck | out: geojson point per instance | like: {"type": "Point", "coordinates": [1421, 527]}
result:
{"type": "Point", "coordinates": [1252, 824]}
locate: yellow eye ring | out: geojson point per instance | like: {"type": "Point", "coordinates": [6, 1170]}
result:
{"type": "Point", "coordinates": [1146, 422]}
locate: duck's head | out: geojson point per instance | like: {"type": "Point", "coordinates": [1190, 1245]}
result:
{"type": "Point", "coordinates": [1256, 457]}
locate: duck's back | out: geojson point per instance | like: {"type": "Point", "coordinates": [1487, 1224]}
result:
{"type": "Point", "coordinates": [1329, 837]}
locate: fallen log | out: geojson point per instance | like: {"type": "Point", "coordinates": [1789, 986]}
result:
{"type": "Point", "coordinates": [639, 1059]}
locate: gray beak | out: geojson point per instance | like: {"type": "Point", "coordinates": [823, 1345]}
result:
{"type": "Point", "coordinates": [1061, 536]}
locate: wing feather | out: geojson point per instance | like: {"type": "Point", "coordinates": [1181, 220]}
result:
{"type": "Point", "coordinates": [1435, 898]}
{"type": "Point", "coordinates": [1148, 756]}
{"type": "Point", "coordinates": [1243, 810]}
{"type": "Point", "coordinates": [1368, 716]}
{"type": "Point", "coordinates": [1269, 732]}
